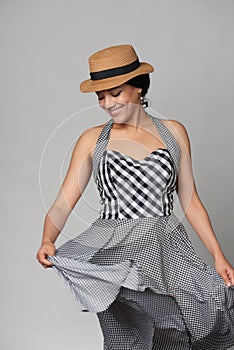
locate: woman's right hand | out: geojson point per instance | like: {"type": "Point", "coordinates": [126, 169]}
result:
{"type": "Point", "coordinates": [47, 248]}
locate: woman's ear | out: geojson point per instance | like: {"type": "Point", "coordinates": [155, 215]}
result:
{"type": "Point", "coordinates": [139, 91]}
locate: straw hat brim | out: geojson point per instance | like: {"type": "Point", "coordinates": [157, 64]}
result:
{"type": "Point", "coordinates": [90, 85]}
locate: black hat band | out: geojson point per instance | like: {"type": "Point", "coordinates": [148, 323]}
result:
{"type": "Point", "coordinates": [113, 72]}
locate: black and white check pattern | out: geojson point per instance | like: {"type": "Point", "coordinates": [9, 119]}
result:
{"type": "Point", "coordinates": [136, 321]}
{"type": "Point", "coordinates": [166, 135]}
{"type": "Point", "coordinates": [141, 274]}
{"type": "Point", "coordinates": [133, 188]}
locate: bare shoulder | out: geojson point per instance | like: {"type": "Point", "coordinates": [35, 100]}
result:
{"type": "Point", "coordinates": [175, 125]}
{"type": "Point", "coordinates": [178, 130]}
{"type": "Point", "coordinates": [91, 133]}
{"type": "Point", "coordinates": [88, 138]}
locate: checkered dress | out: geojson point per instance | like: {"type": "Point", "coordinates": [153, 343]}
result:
{"type": "Point", "coordinates": [135, 266]}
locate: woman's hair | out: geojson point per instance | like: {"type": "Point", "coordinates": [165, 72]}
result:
{"type": "Point", "coordinates": [140, 81]}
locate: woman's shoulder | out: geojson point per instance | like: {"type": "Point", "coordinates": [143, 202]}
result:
{"type": "Point", "coordinates": [174, 124]}
{"type": "Point", "coordinates": [178, 130]}
{"type": "Point", "coordinates": [92, 132]}
{"type": "Point", "coordinates": [88, 137]}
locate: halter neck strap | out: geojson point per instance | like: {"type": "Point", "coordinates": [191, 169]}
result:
{"type": "Point", "coordinates": [166, 135]}
{"type": "Point", "coordinates": [169, 140]}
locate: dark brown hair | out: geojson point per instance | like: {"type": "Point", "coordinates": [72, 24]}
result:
{"type": "Point", "coordinates": [140, 81]}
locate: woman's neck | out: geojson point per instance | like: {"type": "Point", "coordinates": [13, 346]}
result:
{"type": "Point", "coordinates": [137, 119]}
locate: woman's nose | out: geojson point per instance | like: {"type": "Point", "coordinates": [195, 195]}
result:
{"type": "Point", "coordinates": [108, 102]}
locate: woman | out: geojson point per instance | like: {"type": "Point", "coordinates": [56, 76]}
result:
{"type": "Point", "coordinates": [135, 266]}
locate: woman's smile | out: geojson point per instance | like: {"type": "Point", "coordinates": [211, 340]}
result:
{"type": "Point", "coordinates": [115, 111]}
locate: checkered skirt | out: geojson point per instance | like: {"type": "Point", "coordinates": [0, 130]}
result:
{"type": "Point", "coordinates": [135, 266]}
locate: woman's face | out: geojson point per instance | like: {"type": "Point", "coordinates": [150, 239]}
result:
{"type": "Point", "coordinates": [119, 99]}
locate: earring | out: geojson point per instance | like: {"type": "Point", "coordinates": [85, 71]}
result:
{"type": "Point", "coordinates": [145, 102]}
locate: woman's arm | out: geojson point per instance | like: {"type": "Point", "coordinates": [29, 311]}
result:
{"type": "Point", "coordinates": [74, 184]}
{"type": "Point", "coordinates": [192, 206]}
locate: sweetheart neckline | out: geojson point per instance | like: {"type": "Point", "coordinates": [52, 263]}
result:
{"type": "Point", "coordinates": [137, 160]}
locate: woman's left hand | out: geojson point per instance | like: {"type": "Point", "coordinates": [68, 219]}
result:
{"type": "Point", "coordinates": [225, 270]}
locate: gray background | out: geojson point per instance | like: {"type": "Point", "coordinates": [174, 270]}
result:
{"type": "Point", "coordinates": [44, 50]}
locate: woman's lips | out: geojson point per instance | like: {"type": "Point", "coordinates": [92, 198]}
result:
{"type": "Point", "coordinates": [115, 111]}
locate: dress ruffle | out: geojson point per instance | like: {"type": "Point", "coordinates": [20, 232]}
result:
{"type": "Point", "coordinates": [148, 253]}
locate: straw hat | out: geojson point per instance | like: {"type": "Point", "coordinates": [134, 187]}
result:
{"type": "Point", "coordinates": [112, 67]}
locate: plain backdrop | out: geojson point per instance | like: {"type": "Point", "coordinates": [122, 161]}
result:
{"type": "Point", "coordinates": [45, 47]}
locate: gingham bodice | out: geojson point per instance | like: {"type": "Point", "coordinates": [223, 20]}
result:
{"type": "Point", "coordinates": [131, 188]}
